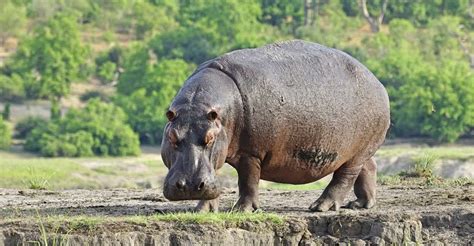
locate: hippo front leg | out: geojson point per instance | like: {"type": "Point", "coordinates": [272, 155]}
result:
{"type": "Point", "coordinates": [249, 176]}
{"type": "Point", "coordinates": [341, 183]}
{"type": "Point", "coordinates": [208, 206]}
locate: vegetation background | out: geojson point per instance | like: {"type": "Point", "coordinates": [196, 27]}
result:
{"type": "Point", "coordinates": [137, 54]}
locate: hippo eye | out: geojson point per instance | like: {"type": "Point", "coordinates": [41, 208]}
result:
{"type": "Point", "coordinates": [176, 145]}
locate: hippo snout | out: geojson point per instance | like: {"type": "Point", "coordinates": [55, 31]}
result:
{"type": "Point", "coordinates": [180, 188]}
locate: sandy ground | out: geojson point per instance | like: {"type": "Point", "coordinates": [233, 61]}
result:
{"type": "Point", "coordinates": [446, 214]}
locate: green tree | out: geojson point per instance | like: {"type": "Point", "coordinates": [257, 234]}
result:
{"type": "Point", "coordinates": [12, 88]}
{"type": "Point", "coordinates": [98, 129]}
{"type": "Point", "coordinates": [440, 101]}
{"type": "Point", "coordinates": [286, 14]}
{"type": "Point", "coordinates": [6, 111]}
{"type": "Point", "coordinates": [332, 26]}
{"type": "Point", "coordinates": [52, 59]}
{"type": "Point", "coordinates": [146, 88]}
{"type": "Point", "coordinates": [5, 134]}
{"type": "Point", "coordinates": [12, 20]}
{"type": "Point", "coordinates": [152, 19]}
{"type": "Point", "coordinates": [210, 28]}
{"type": "Point", "coordinates": [430, 85]}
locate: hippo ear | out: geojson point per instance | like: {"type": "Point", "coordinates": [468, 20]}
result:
{"type": "Point", "coordinates": [170, 115]}
{"type": "Point", "coordinates": [212, 115]}
{"type": "Point", "coordinates": [210, 136]}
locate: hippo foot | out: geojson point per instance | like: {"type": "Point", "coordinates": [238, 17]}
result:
{"type": "Point", "coordinates": [324, 204]}
{"type": "Point", "coordinates": [245, 205]}
{"type": "Point", "coordinates": [205, 206]}
{"type": "Point", "coordinates": [361, 203]}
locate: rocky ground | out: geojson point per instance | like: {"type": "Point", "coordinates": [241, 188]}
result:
{"type": "Point", "coordinates": [404, 214]}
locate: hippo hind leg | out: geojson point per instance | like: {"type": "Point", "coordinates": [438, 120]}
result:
{"type": "Point", "coordinates": [364, 187]}
{"type": "Point", "coordinates": [340, 185]}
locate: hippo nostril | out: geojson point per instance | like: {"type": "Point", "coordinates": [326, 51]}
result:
{"type": "Point", "coordinates": [180, 184]}
{"type": "Point", "coordinates": [201, 186]}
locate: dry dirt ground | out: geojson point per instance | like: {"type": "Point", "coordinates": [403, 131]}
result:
{"type": "Point", "coordinates": [408, 215]}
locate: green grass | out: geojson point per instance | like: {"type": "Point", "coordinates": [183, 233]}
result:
{"type": "Point", "coordinates": [232, 218]}
{"type": "Point", "coordinates": [39, 173]}
{"type": "Point", "coordinates": [68, 223]}
{"type": "Point", "coordinates": [21, 170]}
{"type": "Point", "coordinates": [318, 185]}
{"type": "Point", "coordinates": [431, 181]}
{"type": "Point", "coordinates": [442, 152]}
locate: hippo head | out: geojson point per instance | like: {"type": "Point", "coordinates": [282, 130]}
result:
{"type": "Point", "coordinates": [194, 146]}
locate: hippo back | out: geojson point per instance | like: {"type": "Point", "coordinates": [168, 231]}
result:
{"type": "Point", "coordinates": [301, 96]}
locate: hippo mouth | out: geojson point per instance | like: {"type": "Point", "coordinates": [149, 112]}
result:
{"type": "Point", "coordinates": [174, 194]}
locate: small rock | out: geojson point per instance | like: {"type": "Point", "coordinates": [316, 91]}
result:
{"type": "Point", "coordinates": [377, 241]}
{"type": "Point", "coordinates": [359, 242]}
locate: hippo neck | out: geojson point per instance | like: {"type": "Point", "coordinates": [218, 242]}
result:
{"type": "Point", "coordinates": [233, 113]}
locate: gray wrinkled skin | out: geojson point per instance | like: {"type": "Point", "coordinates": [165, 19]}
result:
{"type": "Point", "coordinates": [290, 112]}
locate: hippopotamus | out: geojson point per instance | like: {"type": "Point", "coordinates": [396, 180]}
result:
{"type": "Point", "coordinates": [290, 112]}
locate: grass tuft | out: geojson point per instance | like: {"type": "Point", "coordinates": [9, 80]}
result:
{"type": "Point", "coordinates": [89, 224]}
{"type": "Point", "coordinates": [228, 218]}
{"type": "Point", "coordinates": [422, 167]}
{"type": "Point", "coordinates": [36, 182]}
{"type": "Point", "coordinates": [318, 185]}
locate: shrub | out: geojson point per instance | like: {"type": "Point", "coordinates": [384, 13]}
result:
{"type": "Point", "coordinates": [11, 88]}
{"type": "Point", "coordinates": [145, 90]}
{"type": "Point", "coordinates": [106, 72]}
{"type": "Point", "coordinates": [94, 94]}
{"type": "Point", "coordinates": [98, 129]}
{"type": "Point", "coordinates": [6, 111]}
{"type": "Point", "coordinates": [25, 126]}
{"type": "Point", "coordinates": [5, 134]}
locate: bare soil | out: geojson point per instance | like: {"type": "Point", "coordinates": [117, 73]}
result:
{"type": "Point", "coordinates": [413, 214]}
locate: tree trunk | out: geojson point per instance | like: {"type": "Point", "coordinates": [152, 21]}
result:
{"type": "Point", "coordinates": [470, 11]}
{"type": "Point", "coordinates": [55, 108]}
{"type": "Point", "coordinates": [374, 23]}
{"type": "Point", "coordinates": [316, 4]}
{"type": "Point", "coordinates": [308, 12]}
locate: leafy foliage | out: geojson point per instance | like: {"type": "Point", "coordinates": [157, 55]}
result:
{"type": "Point", "coordinates": [98, 129]}
{"type": "Point", "coordinates": [286, 14]}
{"type": "Point", "coordinates": [145, 90]}
{"type": "Point", "coordinates": [5, 134]}
{"type": "Point", "coordinates": [209, 28]}
{"type": "Point", "coordinates": [52, 59]}
{"type": "Point", "coordinates": [25, 126]}
{"type": "Point", "coordinates": [432, 90]}
{"type": "Point", "coordinates": [12, 19]}
{"type": "Point", "coordinates": [423, 54]}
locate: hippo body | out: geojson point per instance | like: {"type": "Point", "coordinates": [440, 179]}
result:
{"type": "Point", "coordinates": [290, 112]}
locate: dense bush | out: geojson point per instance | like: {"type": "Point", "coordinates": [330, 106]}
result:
{"type": "Point", "coordinates": [211, 27]}
{"type": "Point", "coordinates": [145, 90]}
{"type": "Point", "coordinates": [5, 134]}
{"type": "Point", "coordinates": [108, 64]}
{"type": "Point", "coordinates": [88, 95]}
{"type": "Point", "coordinates": [11, 88]}
{"type": "Point", "coordinates": [106, 72]}
{"type": "Point", "coordinates": [51, 59]}
{"type": "Point", "coordinates": [422, 53]}
{"type": "Point", "coordinates": [25, 126]}
{"type": "Point", "coordinates": [428, 79]}
{"type": "Point", "coordinates": [98, 129]}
